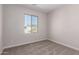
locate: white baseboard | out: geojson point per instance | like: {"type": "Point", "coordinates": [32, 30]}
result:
{"type": "Point", "coordinates": [38, 41]}
{"type": "Point", "coordinates": [65, 45]}
{"type": "Point", "coordinates": [22, 44]}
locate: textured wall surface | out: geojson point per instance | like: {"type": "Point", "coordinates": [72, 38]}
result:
{"type": "Point", "coordinates": [0, 29]}
{"type": "Point", "coordinates": [64, 26]}
{"type": "Point", "coordinates": [13, 33]}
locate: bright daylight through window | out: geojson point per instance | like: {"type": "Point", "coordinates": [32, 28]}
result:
{"type": "Point", "coordinates": [30, 23]}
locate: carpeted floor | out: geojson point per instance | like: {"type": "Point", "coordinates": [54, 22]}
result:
{"type": "Point", "coordinates": [40, 48]}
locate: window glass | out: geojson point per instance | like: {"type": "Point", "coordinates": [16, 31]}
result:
{"type": "Point", "coordinates": [27, 24]}
{"type": "Point", "coordinates": [34, 23]}
{"type": "Point", "coordinates": [30, 23]}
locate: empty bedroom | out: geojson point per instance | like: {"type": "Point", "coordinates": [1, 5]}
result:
{"type": "Point", "coordinates": [39, 29]}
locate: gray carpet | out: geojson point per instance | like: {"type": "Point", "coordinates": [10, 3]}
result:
{"type": "Point", "coordinates": [40, 48]}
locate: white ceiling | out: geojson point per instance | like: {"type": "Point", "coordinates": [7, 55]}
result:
{"type": "Point", "coordinates": [42, 7]}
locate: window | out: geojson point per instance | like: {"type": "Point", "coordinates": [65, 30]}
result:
{"type": "Point", "coordinates": [30, 23]}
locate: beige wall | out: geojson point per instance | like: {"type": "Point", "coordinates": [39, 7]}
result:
{"type": "Point", "coordinates": [64, 26]}
{"type": "Point", "coordinates": [13, 28]}
{"type": "Point", "coordinates": [0, 29]}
